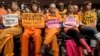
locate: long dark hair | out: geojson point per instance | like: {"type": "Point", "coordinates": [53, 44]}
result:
{"type": "Point", "coordinates": [85, 4]}
{"type": "Point", "coordinates": [34, 3]}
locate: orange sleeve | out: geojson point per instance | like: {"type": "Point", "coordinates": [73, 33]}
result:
{"type": "Point", "coordinates": [94, 15]}
{"type": "Point", "coordinates": [78, 19]}
{"type": "Point", "coordinates": [80, 16]}
{"type": "Point", "coordinates": [60, 18]}
{"type": "Point", "coordinates": [95, 19]}
{"type": "Point", "coordinates": [64, 18]}
{"type": "Point", "coordinates": [45, 17]}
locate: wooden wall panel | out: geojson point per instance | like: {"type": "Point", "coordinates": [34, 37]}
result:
{"type": "Point", "coordinates": [51, 1]}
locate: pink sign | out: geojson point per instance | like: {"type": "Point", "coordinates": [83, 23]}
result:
{"type": "Point", "coordinates": [70, 21]}
{"type": "Point", "coordinates": [53, 23]}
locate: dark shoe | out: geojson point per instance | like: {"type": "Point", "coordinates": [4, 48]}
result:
{"type": "Point", "coordinates": [63, 50]}
{"type": "Point", "coordinates": [43, 49]}
{"type": "Point", "coordinates": [90, 54]}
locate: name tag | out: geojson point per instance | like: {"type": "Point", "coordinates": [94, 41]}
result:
{"type": "Point", "coordinates": [70, 21]}
{"type": "Point", "coordinates": [53, 23]}
{"type": "Point", "coordinates": [33, 20]}
{"type": "Point", "coordinates": [10, 20]}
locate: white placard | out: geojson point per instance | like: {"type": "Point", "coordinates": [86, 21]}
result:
{"type": "Point", "coordinates": [10, 20]}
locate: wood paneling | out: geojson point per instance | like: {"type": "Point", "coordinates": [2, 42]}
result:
{"type": "Point", "coordinates": [51, 1]}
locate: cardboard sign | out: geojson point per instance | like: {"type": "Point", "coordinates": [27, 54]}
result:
{"type": "Point", "coordinates": [53, 23]}
{"type": "Point", "coordinates": [10, 20]}
{"type": "Point", "coordinates": [33, 20]}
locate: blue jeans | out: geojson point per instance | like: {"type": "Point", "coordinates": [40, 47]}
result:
{"type": "Point", "coordinates": [88, 31]}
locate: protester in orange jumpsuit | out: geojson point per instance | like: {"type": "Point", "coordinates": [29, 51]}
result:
{"type": "Point", "coordinates": [7, 34]}
{"type": "Point", "coordinates": [33, 32]}
{"type": "Point", "coordinates": [61, 9]}
{"type": "Point", "coordinates": [53, 21]}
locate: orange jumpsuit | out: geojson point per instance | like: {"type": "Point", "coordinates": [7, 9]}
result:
{"type": "Point", "coordinates": [53, 27]}
{"type": "Point", "coordinates": [35, 33]}
{"type": "Point", "coordinates": [6, 38]}
{"type": "Point", "coordinates": [62, 13]}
